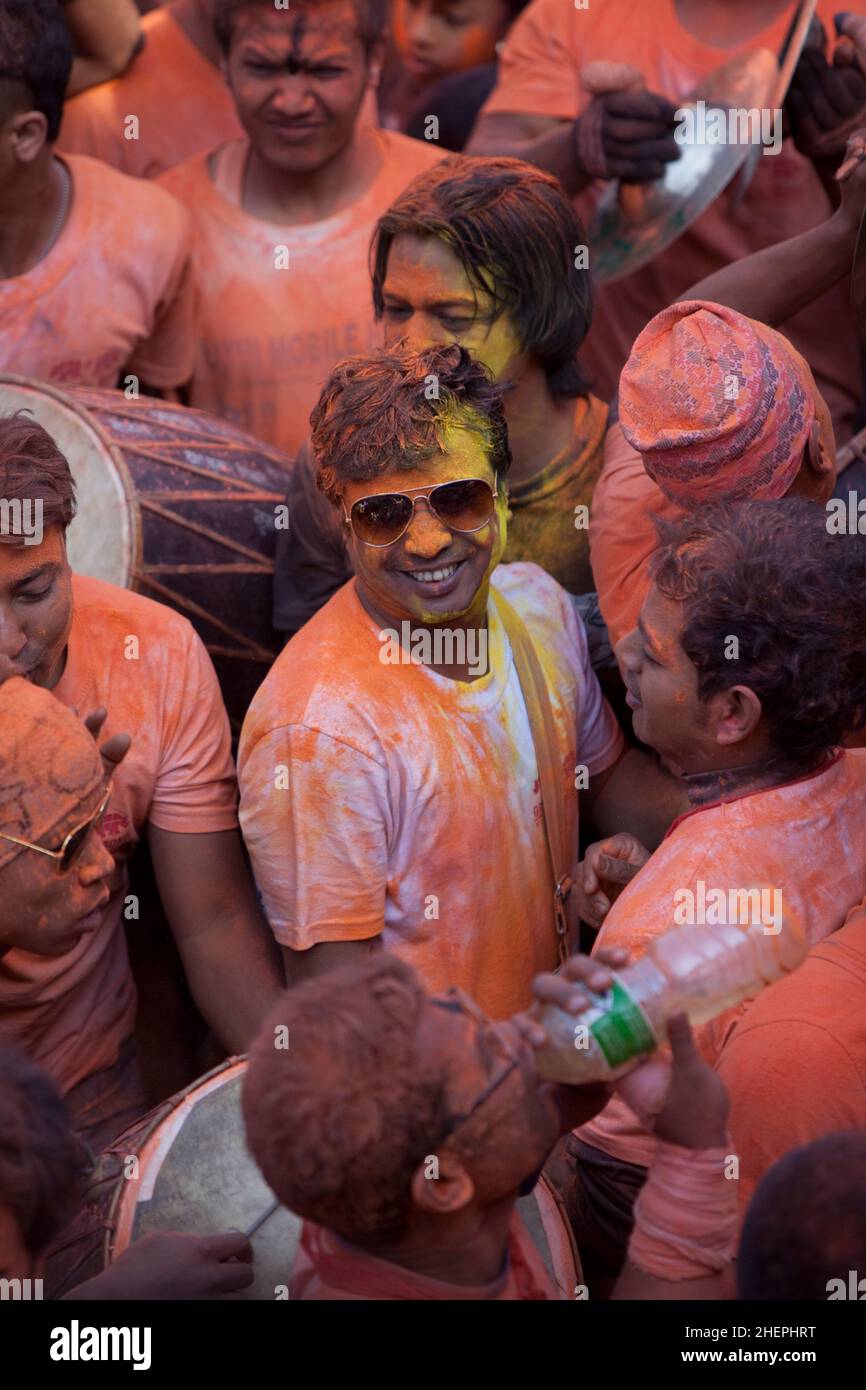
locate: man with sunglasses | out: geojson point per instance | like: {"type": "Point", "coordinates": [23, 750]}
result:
{"type": "Point", "coordinates": [403, 1127]}
{"type": "Point", "coordinates": [391, 786]}
{"type": "Point", "coordinates": [97, 647]}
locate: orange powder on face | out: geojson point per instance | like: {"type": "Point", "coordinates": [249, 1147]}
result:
{"type": "Point", "coordinates": [48, 763]}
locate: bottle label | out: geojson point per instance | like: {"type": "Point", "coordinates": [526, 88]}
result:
{"type": "Point", "coordinates": [622, 1031]}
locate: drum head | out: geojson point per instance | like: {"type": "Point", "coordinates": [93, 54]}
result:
{"type": "Point", "coordinates": [102, 540]}
{"type": "Point", "coordinates": [196, 1175]}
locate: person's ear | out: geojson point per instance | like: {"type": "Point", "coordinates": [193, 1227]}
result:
{"type": "Point", "coordinates": [28, 135]}
{"type": "Point", "coordinates": [818, 458]}
{"type": "Point", "coordinates": [735, 714]}
{"type": "Point", "coordinates": [441, 1185]}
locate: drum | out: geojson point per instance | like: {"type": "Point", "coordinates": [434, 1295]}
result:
{"type": "Point", "coordinates": [177, 505]}
{"type": "Point", "coordinates": [185, 1167]}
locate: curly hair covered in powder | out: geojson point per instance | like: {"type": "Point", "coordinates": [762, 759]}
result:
{"type": "Point", "coordinates": [339, 1120]}
{"type": "Point", "coordinates": [770, 574]}
{"type": "Point", "coordinates": [393, 409]}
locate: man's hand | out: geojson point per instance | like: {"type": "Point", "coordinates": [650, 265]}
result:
{"type": "Point", "coordinates": [680, 1098]}
{"type": "Point", "coordinates": [823, 100]}
{"type": "Point", "coordinates": [169, 1265]}
{"type": "Point", "coordinates": [607, 867]}
{"type": "Point", "coordinates": [627, 135]}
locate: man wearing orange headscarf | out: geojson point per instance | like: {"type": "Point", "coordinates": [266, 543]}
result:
{"type": "Point", "coordinates": [713, 407]}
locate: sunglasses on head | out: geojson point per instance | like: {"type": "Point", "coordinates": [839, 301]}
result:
{"type": "Point", "coordinates": [466, 504]}
{"type": "Point", "coordinates": [73, 846]}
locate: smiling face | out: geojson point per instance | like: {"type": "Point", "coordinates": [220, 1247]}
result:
{"type": "Point", "coordinates": [46, 912]}
{"type": "Point", "coordinates": [298, 82]}
{"type": "Point", "coordinates": [429, 301]}
{"type": "Point", "coordinates": [438, 37]}
{"type": "Point", "coordinates": [35, 609]}
{"type": "Point", "coordinates": [395, 582]}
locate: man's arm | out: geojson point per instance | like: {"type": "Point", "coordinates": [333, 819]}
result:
{"type": "Point", "coordinates": [106, 35]}
{"type": "Point", "coordinates": [775, 284]}
{"type": "Point", "coordinates": [228, 953]}
{"type": "Point", "coordinates": [318, 960]}
{"type": "Point", "coordinates": [540, 140]}
{"type": "Point", "coordinates": [635, 795]}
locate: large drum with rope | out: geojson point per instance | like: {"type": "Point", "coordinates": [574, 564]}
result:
{"type": "Point", "coordinates": [178, 505]}
{"type": "Point", "coordinates": [185, 1167]}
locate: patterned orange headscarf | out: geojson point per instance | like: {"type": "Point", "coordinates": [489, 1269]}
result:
{"type": "Point", "coordinates": [719, 406]}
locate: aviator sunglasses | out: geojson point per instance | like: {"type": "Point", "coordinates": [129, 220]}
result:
{"type": "Point", "coordinates": [73, 846]}
{"type": "Point", "coordinates": [466, 504]}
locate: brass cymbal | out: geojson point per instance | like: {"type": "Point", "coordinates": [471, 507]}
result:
{"type": "Point", "coordinates": [634, 222]}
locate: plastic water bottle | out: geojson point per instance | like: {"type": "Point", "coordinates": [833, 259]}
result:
{"type": "Point", "coordinates": [701, 970]}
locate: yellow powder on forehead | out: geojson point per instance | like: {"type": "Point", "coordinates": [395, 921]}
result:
{"type": "Point", "coordinates": [49, 763]}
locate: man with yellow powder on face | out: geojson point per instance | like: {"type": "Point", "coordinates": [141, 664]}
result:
{"type": "Point", "coordinates": [392, 771]}
{"type": "Point", "coordinates": [450, 264]}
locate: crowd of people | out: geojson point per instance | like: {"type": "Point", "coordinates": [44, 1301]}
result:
{"type": "Point", "coordinates": [567, 628]}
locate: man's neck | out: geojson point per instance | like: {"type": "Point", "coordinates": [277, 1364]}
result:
{"type": "Point", "coordinates": [474, 646]}
{"type": "Point", "coordinates": [296, 199]}
{"type": "Point", "coordinates": [726, 784]}
{"type": "Point", "coordinates": [194, 18]}
{"type": "Point", "coordinates": [728, 23]}
{"type": "Point", "coordinates": [468, 1250]}
{"type": "Point", "coordinates": [539, 427]}
{"type": "Point", "coordinates": [28, 215]}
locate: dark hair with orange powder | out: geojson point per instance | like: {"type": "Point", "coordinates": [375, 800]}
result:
{"type": "Point", "coordinates": [35, 60]}
{"type": "Point", "coordinates": [42, 1160]}
{"type": "Point", "coordinates": [514, 232]}
{"type": "Point", "coordinates": [340, 1119]}
{"type": "Point", "coordinates": [769, 574]}
{"type": "Point", "coordinates": [372, 17]}
{"type": "Point", "coordinates": [32, 467]}
{"type": "Point", "coordinates": [380, 413]}
{"type": "Point", "coordinates": [806, 1223]}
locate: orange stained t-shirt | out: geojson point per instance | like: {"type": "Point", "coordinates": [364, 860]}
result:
{"type": "Point", "coordinates": [806, 838]}
{"type": "Point", "coordinates": [622, 533]}
{"type": "Point", "coordinates": [326, 1269]}
{"type": "Point", "coordinates": [115, 291]}
{"type": "Point", "coordinates": [385, 800]}
{"type": "Point", "coordinates": [539, 74]}
{"type": "Point", "coordinates": [177, 97]}
{"type": "Point", "coordinates": [279, 306]}
{"type": "Point", "coordinates": [71, 1013]}
{"type": "Point", "coordinates": [795, 1063]}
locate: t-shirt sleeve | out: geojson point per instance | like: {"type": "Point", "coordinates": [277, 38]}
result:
{"type": "Point", "coordinates": [312, 562]}
{"type": "Point", "coordinates": [165, 360]}
{"type": "Point", "coordinates": [315, 821]}
{"type": "Point", "coordinates": [196, 788]}
{"type": "Point", "coordinates": [538, 69]}
{"type": "Point", "coordinates": [789, 1082]}
{"type": "Point", "coordinates": [622, 534]}
{"type": "Point", "coordinates": [599, 737]}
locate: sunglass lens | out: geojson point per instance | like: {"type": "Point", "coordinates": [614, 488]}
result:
{"type": "Point", "coordinates": [464, 505]}
{"type": "Point", "coordinates": [75, 847]}
{"type": "Point", "coordinates": [381, 520]}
